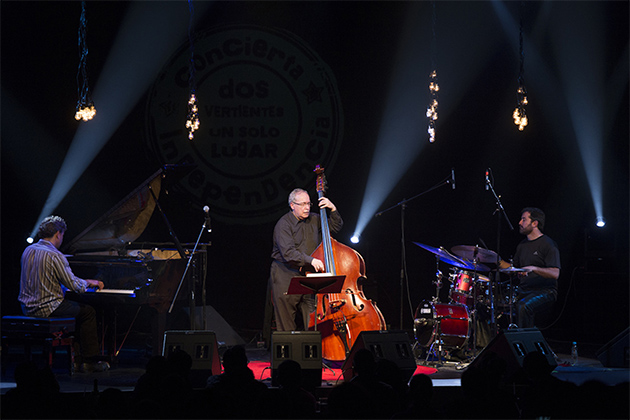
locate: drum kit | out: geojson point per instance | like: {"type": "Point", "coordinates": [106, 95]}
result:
{"type": "Point", "coordinates": [443, 328]}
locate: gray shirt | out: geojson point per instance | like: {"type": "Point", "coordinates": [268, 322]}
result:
{"type": "Point", "coordinates": [44, 271]}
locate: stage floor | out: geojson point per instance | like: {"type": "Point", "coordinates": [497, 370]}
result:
{"type": "Point", "coordinates": [131, 364]}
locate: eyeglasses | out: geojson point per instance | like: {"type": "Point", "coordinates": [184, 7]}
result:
{"type": "Point", "coordinates": [303, 204]}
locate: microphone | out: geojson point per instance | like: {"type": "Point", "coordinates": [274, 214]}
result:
{"type": "Point", "coordinates": [453, 177]}
{"type": "Point", "coordinates": [487, 179]}
{"type": "Point", "coordinates": [206, 210]}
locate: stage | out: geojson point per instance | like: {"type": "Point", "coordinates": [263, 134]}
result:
{"type": "Point", "coordinates": [132, 359]}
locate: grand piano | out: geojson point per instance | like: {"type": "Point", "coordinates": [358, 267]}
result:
{"type": "Point", "coordinates": [143, 276]}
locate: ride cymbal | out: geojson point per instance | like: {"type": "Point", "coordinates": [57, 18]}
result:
{"type": "Point", "coordinates": [475, 253]}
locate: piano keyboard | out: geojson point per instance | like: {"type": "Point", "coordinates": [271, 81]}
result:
{"type": "Point", "coordinates": [113, 291]}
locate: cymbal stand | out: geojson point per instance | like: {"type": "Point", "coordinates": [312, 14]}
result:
{"type": "Point", "coordinates": [439, 342]}
{"type": "Point", "coordinates": [493, 320]}
{"type": "Point", "coordinates": [472, 345]}
{"type": "Point", "coordinates": [511, 296]}
{"type": "Point", "coordinates": [438, 280]}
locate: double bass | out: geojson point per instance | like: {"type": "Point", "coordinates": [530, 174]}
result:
{"type": "Point", "coordinates": [341, 316]}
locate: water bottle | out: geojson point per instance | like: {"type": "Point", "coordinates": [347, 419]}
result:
{"type": "Point", "coordinates": [574, 354]}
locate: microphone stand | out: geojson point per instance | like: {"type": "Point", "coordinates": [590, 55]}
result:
{"type": "Point", "coordinates": [192, 289]}
{"type": "Point", "coordinates": [502, 214]}
{"type": "Point", "coordinates": [403, 260]}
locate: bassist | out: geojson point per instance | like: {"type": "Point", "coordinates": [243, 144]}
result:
{"type": "Point", "coordinates": [296, 235]}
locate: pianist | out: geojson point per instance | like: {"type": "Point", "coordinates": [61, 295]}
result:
{"type": "Point", "coordinates": [45, 275]}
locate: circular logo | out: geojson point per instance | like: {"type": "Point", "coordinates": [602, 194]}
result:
{"type": "Point", "coordinates": [269, 112]}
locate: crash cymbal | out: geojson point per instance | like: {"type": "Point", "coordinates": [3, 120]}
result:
{"type": "Point", "coordinates": [475, 253]}
{"type": "Point", "coordinates": [447, 257]}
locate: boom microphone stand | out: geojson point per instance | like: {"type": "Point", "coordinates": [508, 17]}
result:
{"type": "Point", "coordinates": [502, 215]}
{"type": "Point", "coordinates": [403, 261]}
{"type": "Point", "coordinates": [206, 225]}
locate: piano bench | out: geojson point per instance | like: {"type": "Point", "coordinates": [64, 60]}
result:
{"type": "Point", "coordinates": [48, 333]}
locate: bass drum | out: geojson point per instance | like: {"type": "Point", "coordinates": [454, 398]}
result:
{"type": "Point", "coordinates": [450, 321]}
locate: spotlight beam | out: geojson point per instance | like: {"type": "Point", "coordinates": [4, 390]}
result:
{"type": "Point", "coordinates": [582, 88]}
{"type": "Point", "coordinates": [402, 135]}
{"type": "Point", "coordinates": [37, 139]}
{"type": "Point", "coordinates": [148, 35]}
{"type": "Point", "coordinates": [583, 70]}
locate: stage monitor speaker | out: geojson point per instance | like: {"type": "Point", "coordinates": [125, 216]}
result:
{"type": "Point", "coordinates": [511, 346]}
{"type": "Point", "coordinates": [304, 347]}
{"type": "Point", "coordinates": [201, 346]}
{"type": "Point", "coordinates": [391, 345]}
{"type": "Point", "coordinates": [615, 352]}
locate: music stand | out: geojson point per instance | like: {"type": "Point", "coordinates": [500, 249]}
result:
{"type": "Point", "coordinates": [317, 284]}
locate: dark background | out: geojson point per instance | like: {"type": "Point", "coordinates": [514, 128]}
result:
{"type": "Point", "coordinates": [358, 41]}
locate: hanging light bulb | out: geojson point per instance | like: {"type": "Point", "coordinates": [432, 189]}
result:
{"type": "Point", "coordinates": [519, 114]}
{"type": "Point", "coordinates": [192, 121]}
{"type": "Point", "coordinates": [85, 106]}
{"type": "Point", "coordinates": [434, 88]}
{"type": "Point", "coordinates": [432, 113]}
{"type": "Point", "coordinates": [85, 112]}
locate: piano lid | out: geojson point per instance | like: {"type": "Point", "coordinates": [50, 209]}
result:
{"type": "Point", "coordinates": [124, 222]}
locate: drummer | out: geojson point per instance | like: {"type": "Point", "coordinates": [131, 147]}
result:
{"type": "Point", "coordinates": [539, 255]}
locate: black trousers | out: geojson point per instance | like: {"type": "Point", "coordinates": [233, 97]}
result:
{"type": "Point", "coordinates": [285, 306]}
{"type": "Point", "coordinates": [85, 317]}
{"type": "Point", "coordinates": [530, 303]}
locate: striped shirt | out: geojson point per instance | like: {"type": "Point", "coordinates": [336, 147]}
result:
{"type": "Point", "coordinates": [44, 270]}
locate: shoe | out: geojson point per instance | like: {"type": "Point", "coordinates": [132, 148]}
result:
{"type": "Point", "coordinates": [91, 367]}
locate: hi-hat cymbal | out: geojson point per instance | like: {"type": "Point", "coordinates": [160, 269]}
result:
{"type": "Point", "coordinates": [447, 257]}
{"type": "Point", "coordinates": [513, 270]}
{"type": "Point", "coordinates": [474, 253]}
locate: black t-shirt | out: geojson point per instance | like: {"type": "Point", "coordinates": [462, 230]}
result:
{"type": "Point", "coordinates": [541, 252]}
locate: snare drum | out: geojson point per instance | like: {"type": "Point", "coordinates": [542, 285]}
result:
{"type": "Point", "coordinates": [451, 321]}
{"type": "Point", "coordinates": [464, 284]}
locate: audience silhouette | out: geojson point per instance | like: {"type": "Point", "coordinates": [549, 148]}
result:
{"type": "Point", "coordinates": [235, 393]}
{"type": "Point", "coordinates": [291, 400]}
{"type": "Point", "coordinates": [35, 393]}
{"type": "Point", "coordinates": [147, 391]}
{"type": "Point", "coordinates": [365, 395]}
{"type": "Point", "coordinates": [419, 400]}
{"type": "Point", "coordinates": [378, 389]}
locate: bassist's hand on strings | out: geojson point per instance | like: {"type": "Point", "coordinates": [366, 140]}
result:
{"type": "Point", "coordinates": [318, 265]}
{"type": "Point", "coordinates": [324, 202]}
